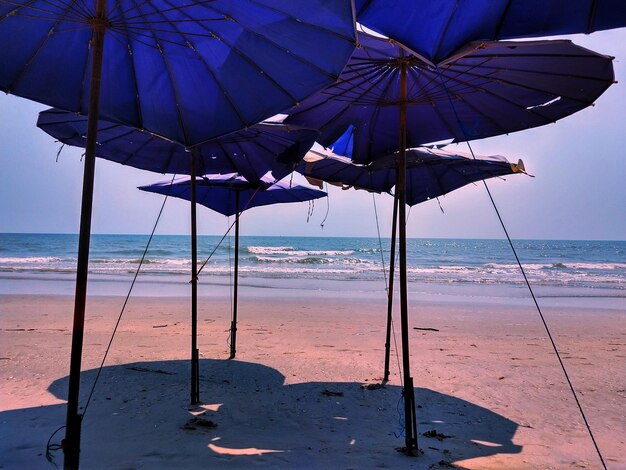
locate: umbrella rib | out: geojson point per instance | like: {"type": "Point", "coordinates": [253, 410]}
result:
{"type": "Point", "coordinates": [422, 90]}
{"type": "Point", "coordinates": [493, 69]}
{"type": "Point", "coordinates": [145, 38]}
{"type": "Point", "coordinates": [277, 139]}
{"type": "Point", "coordinates": [451, 169]}
{"type": "Point", "coordinates": [373, 76]}
{"type": "Point", "coordinates": [592, 16]}
{"type": "Point", "coordinates": [331, 176]}
{"type": "Point", "coordinates": [362, 79]}
{"type": "Point", "coordinates": [109, 127]}
{"type": "Point", "coordinates": [53, 12]}
{"type": "Point", "coordinates": [356, 80]}
{"type": "Point", "coordinates": [373, 123]}
{"type": "Point", "coordinates": [534, 88]}
{"type": "Point", "coordinates": [171, 80]}
{"type": "Point", "coordinates": [131, 59]}
{"type": "Point", "coordinates": [364, 6]}
{"type": "Point", "coordinates": [143, 28]}
{"type": "Point", "coordinates": [141, 15]}
{"type": "Point", "coordinates": [502, 19]}
{"type": "Point", "coordinates": [311, 25]}
{"type": "Point", "coordinates": [52, 18]}
{"type": "Point", "coordinates": [84, 8]}
{"type": "Point", "coordinates": [274, 44]}
{"type": "Point", "coordinates": [486, 51]}
{"type": "Point", "coordinates": [80, 6]}
{"type": "Point", "coordinates": [256, 66]}
{"type": "Point", "coordinates": [329, 172]}
{"type": "Point", "coordinates": [244, 156]}
{"type": "Point", "coordinates": [477, 112]}
{"type": "Point", "coordinates": [456, 168]}
{"type": "Point", "coordinates": [132, 155]}
{"type": "Point", "coordinates": [524, 108]}
{"type": "Point", "coordinates": [272, 137]}
{"type": "Point", "coordinates": [224, 149]}
{"type": "Point", "coordinates": [444, 31]}
{"type": "Point", "coordinates": [444, 121]}
{"type": "Point", "coordinates": [33, 57]}
{"type": "Point", "coordinates": [232, 103]}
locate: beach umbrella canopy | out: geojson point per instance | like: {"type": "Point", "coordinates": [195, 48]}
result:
{"type": "Point", "coordinates": [323, 165]}
{"type": "Point", "coordinates": [231, 195]}
{"type": "Point", "coordinates": [487, 89]}
{"type": "Point", "coordinates": [251, 152]}
{"type": "Point", "coordinates": [436, 29]}
{"type": "Point", "coordinates": [188, 71]}
{"type": "Point", "coordinates": [430, 173]}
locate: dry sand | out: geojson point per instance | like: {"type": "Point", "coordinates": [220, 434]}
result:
{"type": "Point", "coordinates": [293, 398]}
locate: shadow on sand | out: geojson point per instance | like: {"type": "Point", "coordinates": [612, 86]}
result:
{"type": "Point", "coordinates": [139, 418]}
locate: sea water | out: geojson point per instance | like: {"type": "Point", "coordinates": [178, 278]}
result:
{"type": "Point", "coordinates": [317, 263]}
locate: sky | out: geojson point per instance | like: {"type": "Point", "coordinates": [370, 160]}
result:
{"type": "Point", "coordinates": [578, 192]}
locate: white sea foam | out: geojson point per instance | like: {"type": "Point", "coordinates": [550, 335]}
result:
{"type": "Point", "coordinates": [270, 250]}
{"type": "Point", "coordinates": [288, 250]}
{"type": "Point", "coordinates": [30, 260]}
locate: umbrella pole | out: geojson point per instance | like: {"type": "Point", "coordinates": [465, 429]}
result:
{"type": "Point", "coordinates": [71, 443]}
{"type": "Point", "coordinates": [410, 426]}
{"type": "Point", "coordinates": [195, 376]}
{"type": "Point", "coordinates": [233, 325]}
{"type": "Point", "coordinates": [392, 268]}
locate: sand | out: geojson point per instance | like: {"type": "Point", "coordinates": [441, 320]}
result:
{"type": "Point", "coordinates": [487, 382]}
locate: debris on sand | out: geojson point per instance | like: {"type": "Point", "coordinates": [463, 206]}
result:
{"type": "Point", "coordinates": [372, 386]}
{"type": "Point", "coordinates": [437, 435]}
{"type": "Point", "coordinates": [195, 423]}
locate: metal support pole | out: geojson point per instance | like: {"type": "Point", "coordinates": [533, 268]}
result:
{"type": "Point", "coordinates": [408, 391]}
{"type": "Point", "coordinates": [71, 443]}
{"type": "Point", "coordinates": [195, 376]}
{"type": "Point", "coordinates": [233, 325]}
{"type": "Point", "coordinates": [392, 268]}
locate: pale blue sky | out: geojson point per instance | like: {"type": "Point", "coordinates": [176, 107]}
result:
{"type": "Point", "coordinates": [579, 191]}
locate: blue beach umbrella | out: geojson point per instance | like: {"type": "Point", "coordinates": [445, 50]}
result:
{"type": "Point", "coordinates": [231, 195]}
{"type": "Point", "coordinates": [395, 101]}
{"type": "Point", "coordinates": [487, 89]}
{"type": "Point", "coordinates": [430, 173]}
{"type": "Point", "coordinates": [251, 152]}
{"type": "Point", "coordinates": [436, 29]}
{"type": "Point", "coordinates": [188, 71]}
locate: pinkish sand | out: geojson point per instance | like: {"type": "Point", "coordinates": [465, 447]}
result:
{"type": "Point", "coordinates": [294, 397]}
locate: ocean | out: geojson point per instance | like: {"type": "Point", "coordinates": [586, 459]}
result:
{"type": "Point", "coordinates": [316, 262]}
